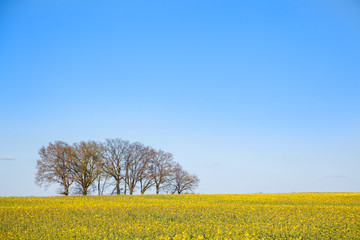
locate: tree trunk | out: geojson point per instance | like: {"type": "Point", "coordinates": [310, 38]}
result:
{"type": "Point", "coordinates": [126, 175]}
{"type": "Point", "coordinates": [118, 187]}
{"type": "Point", "coordinates": [99, 186]}
{"type": "Point", "coordinates": [66, 190]}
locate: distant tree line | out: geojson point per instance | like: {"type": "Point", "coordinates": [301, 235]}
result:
{"type": "Point", "coordinates": [116, 165]}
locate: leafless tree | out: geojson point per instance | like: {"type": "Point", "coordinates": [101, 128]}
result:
{"type": "Point", "coordinates": [115, 152]}
{"type": "Point", "coordinates": [146, 179]}
{"type": "Point", "coordinates": [161, 169]}
{"type": "Point", "coordinates": [135, 165]}
{"type": "Point", "coordinates": [182, 181]}
{"type": "Point", "coordinates": [127, 163]}
{"type": "Point", "coordinates": [87, 165]}
{"type": "Point", "coordinates": [52, 167]}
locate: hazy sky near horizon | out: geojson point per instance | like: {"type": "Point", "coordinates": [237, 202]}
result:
{"type": "Point", "coordinates": [252, 96]}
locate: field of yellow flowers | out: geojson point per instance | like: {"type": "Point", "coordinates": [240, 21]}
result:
{"type": "Point", "coordinates": [189, 216]}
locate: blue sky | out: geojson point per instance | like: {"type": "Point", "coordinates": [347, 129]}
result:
{"type": "Point", "coordinates": [253, 96]}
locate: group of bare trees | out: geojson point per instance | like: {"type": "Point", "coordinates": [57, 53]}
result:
{"type": "Point", "coordinates": [116, 165]}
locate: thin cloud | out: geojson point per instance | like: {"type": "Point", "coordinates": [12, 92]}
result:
{"type": "Point", "coordinates": [7, 158]}
{"type": "Point", "coordinates": [335, 176]}
{"type": "Point", "coordinates": [217, 164]}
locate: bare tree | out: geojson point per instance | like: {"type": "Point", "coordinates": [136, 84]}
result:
{"type": "Point", "coordinates": [127, 163]}
{"type": "Point", "coordinates": [161, 169]}
{"type": "Point", "coordinates": [115, 153]}
{"type": "Point", "coordinates": [182, 181]}
{"type": "Point", "coordinates": [136, 165]}
{"type": "Point", "coordinates": [52, 167]}
{"type": "Point", "coordinates": [87, 165]}
{"type": "Point", "coordinates": [146, 179]}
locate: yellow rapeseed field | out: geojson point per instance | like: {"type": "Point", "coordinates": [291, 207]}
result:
{"type": "Point", "coordinates": [190, 216]}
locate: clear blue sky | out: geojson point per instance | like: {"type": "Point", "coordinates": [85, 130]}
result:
{"type": "Point", "coordinates": [253, 96]}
